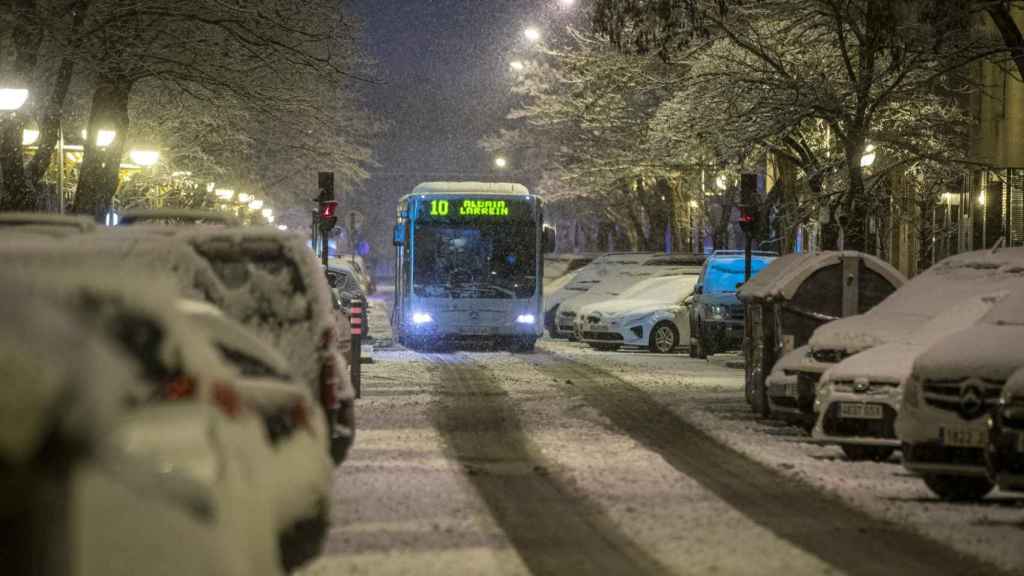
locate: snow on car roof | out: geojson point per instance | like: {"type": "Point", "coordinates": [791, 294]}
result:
{"type": "Point", "coordinates": [783, 276]}
{"type": "Point", "coordinates": [177, 215]}
{"type": "Point", "coordinates": [987, 351]}
{"type": "Point", "coordinates": [82, 223]}
{"type": "Point", "coordinates": [620, 280]}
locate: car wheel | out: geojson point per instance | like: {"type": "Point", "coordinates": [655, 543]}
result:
{"type": "Point", "coordinates": [303, 541]}
{"type": "Point", "coordinates": [958, 488]}
{"type": "Point", "coordinates": [342, 430]}
{"type": "Point", "coordinates": [859, 453]}
{"type": "Point", "coordinates": [664, 338]}
{"type": "Point", "coordinates": [523, 345]}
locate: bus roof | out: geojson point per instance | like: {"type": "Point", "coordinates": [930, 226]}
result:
{"type": "Point", "coordinates": [484, 188]}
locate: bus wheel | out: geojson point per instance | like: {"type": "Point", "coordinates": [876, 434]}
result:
{"type": "Point", "coordinates": [523, 345]}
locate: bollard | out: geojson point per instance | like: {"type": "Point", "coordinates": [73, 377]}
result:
{"type": "Point", "coordinates": [356, 316]}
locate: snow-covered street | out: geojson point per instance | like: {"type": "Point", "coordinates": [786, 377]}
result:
{"type": "Point", "coordinates": [574, 461]}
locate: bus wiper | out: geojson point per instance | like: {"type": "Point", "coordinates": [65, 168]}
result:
{"type": "Point", "coordinates": [487, 286]}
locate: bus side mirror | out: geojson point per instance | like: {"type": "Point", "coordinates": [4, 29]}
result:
{"type": "Point", "coordinates": [548, 240]}
{"type": "Point", "coordinates": [399, 235]}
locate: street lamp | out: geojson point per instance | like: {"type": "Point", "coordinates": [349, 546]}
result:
{"type": "Point", "coordinates": [282, 227]}
{"type": "Point", "coordinates": [516, 65]}
{"type": "Point", "coordinates": [532, 34]}
{"type": "Point", "coordinates": [29, 137]}
{"type": "Point", "coordinates": [12, 99]}
{"type": "Point", "coordinates": [225, 194]}
{"type": "Point", "coordinates": [500, 162]}
{"type": "Point", "coordinates": [268, 213]}
{"type": "Point", "coordinates": [144, 158]}
{"type": "Point", "coordinates": [244, 198]}
{"type": "Point", "coordinates": [869, 156]}
{"type": "Point", "coordinates": [255, 204]}
{"type": "Point", "coordinates": [104, 137]}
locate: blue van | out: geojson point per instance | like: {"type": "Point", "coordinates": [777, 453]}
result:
{"type": "Point", "coordinates": [716, 315]}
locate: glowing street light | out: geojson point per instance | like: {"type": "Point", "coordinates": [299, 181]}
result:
{"type": "Point", "coordinates": [869, 156]}
{"type": "Point", "coordinates": [244, 198]}
{"type": "Point", "coordinates": [694, 205]}
{"type": "Point", "coordinates": [720, 182]}
{"type": "Point", "coordinates": [225, 194]}
{"type": "Point", "coordinates": [255, 204]}
{"type": "Point", "coordinates": [267, 213]}
{"type": "Point", "coordinates": [500, 162]}
{"type": "Point", "coordinates": [29, 137]}
{"type": "Point", "coordinates": [532, 34]}
{"type": "Point", "coordinates": [144, 158]}
{"type": "Point", "coordinates": [567, 3]}
{"type": "Point", "coordinates": [270, 219]}
{"type": "Point", "coordinates": [104, 138]}
{"type": "Point", "coordinates": [282, 227]}
{"type": "Point", "coordinates": [516, 65]}
{"type": "Point", "coordinates": [12, 99]}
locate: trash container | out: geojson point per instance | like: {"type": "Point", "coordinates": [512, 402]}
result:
{"type": "Point", "coordinates": [794, 295]}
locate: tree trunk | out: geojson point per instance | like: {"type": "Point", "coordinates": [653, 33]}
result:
{"type": "Point", "coordinates": [98, 178]}
{"type": "Point", "coordinates": [854, 220]}
{"type": "Point", "coordinates": [17, 194]}
{"type": "Point", "coordinates": [1009, 31]}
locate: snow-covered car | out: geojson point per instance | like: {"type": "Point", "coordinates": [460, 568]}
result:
{"type": "Point", "coordinates": [355, 266]}
{"type": "Point", "coordinates": [160, 466]}
{"type": "Point", "coordinates": [615, 277]}
{"type": "Point", "coordinates": [1005, 451]}
{"type": "Point", "coordinates": [44, 224]}
{"type": "Point", "coordinates": [266, 279]}
{"type": "Point", "coordinates": [651, 314]}
{"type": "Point", "coordinates": [561, 324]}
{"type": "Point", "coordinates": [931, 293]}
{"type": "Point", "coordinates": [176, 216]}
{"type": "Point", "coordinates": [858, 399]}
{"type": "Point", "coordinates": [955, 386]}
{"type": "Point", "coordinates": [791, 386]}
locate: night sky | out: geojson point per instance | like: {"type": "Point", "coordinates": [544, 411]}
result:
{"type": "Point", "coordinates": [443, 67]}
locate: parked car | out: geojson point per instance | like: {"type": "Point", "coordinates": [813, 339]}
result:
{"type": "Point", "coordinates": [610, 277]}
{"type": "Point", "coordinates": [176, 216]}
{"type": "Point", "coordinates": [355, 266]}
{"type": "Point", "coordinates": [715, 313]}
{"type": "Point", "coordinates": [44, 224]}
{"type": "Point", "coordinates": [1005, 451]}
{"type": "Point", "coordinates": [159, 466]}
{"type": "Point", "coordinates": [954, 388]}
{"type": "Point", "coordinates": [858, 399]}
{"type": "Point", "coordinates": [600, 269]}
{"type": "Point", "coordinates": [650, 314]}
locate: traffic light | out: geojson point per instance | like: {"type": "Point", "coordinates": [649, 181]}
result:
{"type": "Point", "coordinates": [748, 219]}
{"type": "Point", "coordinates": [748, 205]}
{"type": "Point", "coordinates": [327, 206]}
{"type": "Point", "coordinates": [328, 219]}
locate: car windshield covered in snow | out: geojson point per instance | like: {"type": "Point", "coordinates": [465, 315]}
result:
{"type": "Point", "coordinates": [666, 289]}
{"type": "Point", "coordinates": [486, 260]}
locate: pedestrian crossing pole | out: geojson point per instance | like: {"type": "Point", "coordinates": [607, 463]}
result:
{"type": "Point", "coordinates": [357, 315]}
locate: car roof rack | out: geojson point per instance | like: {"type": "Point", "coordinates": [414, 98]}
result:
{"type": "Point", "coordinates": [741, 253]}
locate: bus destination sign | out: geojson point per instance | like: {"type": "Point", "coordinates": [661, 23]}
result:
{"type": "Point", "coordinates": [474, 209]}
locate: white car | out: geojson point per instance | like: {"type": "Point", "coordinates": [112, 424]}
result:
{"type": "Point", "coordinates": [601, 269]}
{"type": "Point", "coordinates": [858, 399]}
{"type": "Point", "coordinates": [792, 384]}
{"type": "Point", "coordinates": [650, 314]}
{"type": "Point", "coordinates": [954, 387]}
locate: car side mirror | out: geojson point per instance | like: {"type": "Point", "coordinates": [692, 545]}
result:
{"type": "Point", "coordinates": [698, 289]}
{"type": "Point", "coordinates": [548, 240]}
{"type": "Point", "coordinates": [399, 235]}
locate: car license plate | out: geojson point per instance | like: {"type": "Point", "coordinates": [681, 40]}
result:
{"type": "Point", "coordinates": [861, 411]}
{"type": "Point", "coordinates": [964, 437]}
{"type": "Point", "coordinates": [791, 390]}
{"type": "Point", "coordinates": [474, 331]}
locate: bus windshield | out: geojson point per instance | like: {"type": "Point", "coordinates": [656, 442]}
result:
{"type": "Point", "coordinates": [484, 259]}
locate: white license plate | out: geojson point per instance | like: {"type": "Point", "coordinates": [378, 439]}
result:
{"type": "Point", "coordinates": [964, 437]}
{"type": "Point", "coordinates": [861, 411]}
{"type": "Point", "coordinates": [473, 331]}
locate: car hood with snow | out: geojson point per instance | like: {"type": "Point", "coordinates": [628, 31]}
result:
{"type": "Point", "coordinates": [889, 363]}
{"type": "Point", "coordinates": [618, 309]}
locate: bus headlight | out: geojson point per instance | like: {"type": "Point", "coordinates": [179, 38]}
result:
{"type": "Point", "coordinates": [525, 319]}
{"type": "Point", "coordinates": [422, 318]}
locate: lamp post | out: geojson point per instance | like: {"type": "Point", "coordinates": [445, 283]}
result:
{"type": "Point", "coordinates": [532, 33]}
{"type": "Point", "coordinates": [12, 99]}
{"type": "Point", "coordinates": [500, 162]}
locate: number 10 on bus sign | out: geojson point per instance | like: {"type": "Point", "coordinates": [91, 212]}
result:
{"type": "Point", "coordinates": [438, 207]}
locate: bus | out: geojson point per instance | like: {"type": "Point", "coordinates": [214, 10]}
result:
{"type": "Point", "coordinates": [469, 265]}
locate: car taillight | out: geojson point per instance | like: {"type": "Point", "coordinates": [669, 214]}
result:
{"type": "Point", "coordinates": [180, 387]}
{"type": "Point", "coordinates": [227, 398]}
{"type": "Point", "coordinates": [328, 338]}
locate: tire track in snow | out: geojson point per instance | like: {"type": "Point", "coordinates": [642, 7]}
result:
{"type": "Point", "coordinates": [553, 530]}
{"type": "Point", "coordinates": [821, 525]}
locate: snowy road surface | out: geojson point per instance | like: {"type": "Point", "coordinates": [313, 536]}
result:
{"type": "Point", "coordinates": [569, 461]}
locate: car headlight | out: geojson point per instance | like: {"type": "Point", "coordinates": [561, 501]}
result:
{"type": "Point", "coordinates": [716, 311]}
{"type": "Point", "coordinates": [525, 319]}
{"type": "Point", "coordinates": [422, 318]}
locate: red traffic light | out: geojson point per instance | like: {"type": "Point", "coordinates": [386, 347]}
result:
{"type": "Point", "coordinates": [746, 217]}
{"type": "Point", "coordinates": [328, 208]}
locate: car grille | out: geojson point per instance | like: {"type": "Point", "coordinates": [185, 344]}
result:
{"type": "Point", "coordinates": [968, 397]}
{"type": "Point", "coordinates": [873, 389]}
{"type": "Point", "coordinates": [829, 356]}
{"type": "Point", "coordinates": [836, 426]}
{"type": "Point", "coordinates": [603, 336]}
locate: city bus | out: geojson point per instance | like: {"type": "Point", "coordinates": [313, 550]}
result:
{"type": "Point", "coordinates": [470, 265]}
